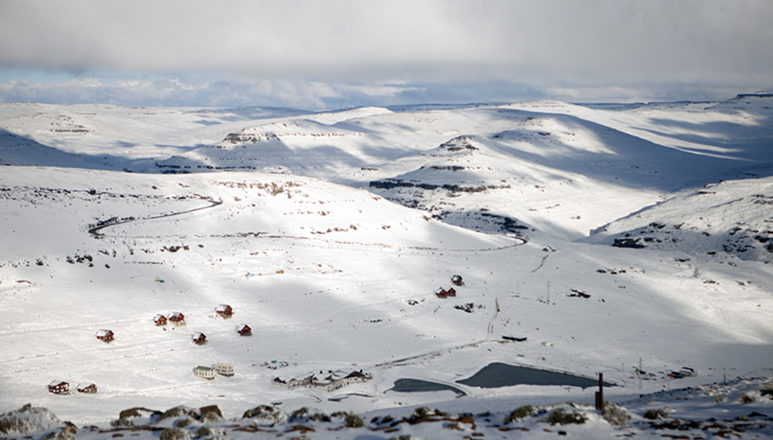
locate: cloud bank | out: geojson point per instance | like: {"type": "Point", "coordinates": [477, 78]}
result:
{"type": "Point", "coordinates": [394, 49]}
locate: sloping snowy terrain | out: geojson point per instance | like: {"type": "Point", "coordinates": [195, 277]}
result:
{"type": "Point", "coordinates": [628, 240]}
{"type": "Point", "coordinates": [732, 217]}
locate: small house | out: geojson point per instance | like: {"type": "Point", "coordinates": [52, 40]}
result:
{"type": "Point", "coordinates": [244, 330]}
{"type": "Point", "coordinates": [456, 280]}
{"type": "Point", "coordinates": [199, 338]}
{"type": "Point", "coordinates": [87, 389]}
{"type": "Point", "coordinates": [204, 372]}
{"type": "Point", "coordinates": [159, 320]}
{"type": "Point", "coordinates": [177, 318]}
{"type": "Point", "coordinates": [105, 335]}
{"type": "Point", "coordinates": [59, 387]}
{"type": "Point", "coordinates": [224, 369]}
{"type": "Point", "coordinates": [443, 293]}
{"type": "Point", "coordinates": [224, 310]}
{"type": "Point", "coordinates": [357, 375]}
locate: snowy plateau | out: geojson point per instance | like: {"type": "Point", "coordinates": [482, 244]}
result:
{"type": "Point", "coordinates": [313, 255]}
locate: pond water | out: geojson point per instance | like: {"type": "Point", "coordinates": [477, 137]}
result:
{"type": "Point", "coordinates": [419, 386]}
{"type": "Point", "coordinates": [497, 375]}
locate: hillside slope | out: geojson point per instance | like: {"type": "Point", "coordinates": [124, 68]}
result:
{"type": "Point", "coordinates": [734, 217]}
{"type": "Point", "coordinates": [290, 219]}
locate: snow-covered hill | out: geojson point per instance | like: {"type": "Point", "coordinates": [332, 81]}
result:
{"type": "Point", "coordinates": [734, 217]}
{"type": "Point", "coordinates": [289, 219]}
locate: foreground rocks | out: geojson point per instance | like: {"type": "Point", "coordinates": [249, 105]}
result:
{"type": "Point", "coordinates": [269, 421]}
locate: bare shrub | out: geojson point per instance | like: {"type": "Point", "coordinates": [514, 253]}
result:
{"type": "Point", "coordinates": [520, 413]}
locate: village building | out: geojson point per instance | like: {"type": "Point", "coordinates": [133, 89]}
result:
{"type": "Point", "coordinates": [456, 280]}
{"type": "Point", "coordinates": [244, 330]}
{"type": "Point", "coordinates": [224, 310]}
{"type": "Point", "coordinates": [224, 369]}
{"type": "Point", "coordinates": [333, 384]}
{"type": "Point", "coordinates": [328, 384]}
{"type": "Point", "coordinates": [443, 293]}
{"type": "Point", "coordinates": [295, 383]}
{"type": "Point", "coordinates": [177, 318]}
{"type": "Point", "coordinates": [199, 338]}
{"type": "Point", "coordinates": [87, 389]}
{"type": "Point", "coordinates": [204, 372]}
{"type": "Point", "coordinates": [59, 387]}
{"type": "Point", "coordinates": [105, 335]}
{"type": "Point", "coordinates": [159, 320]}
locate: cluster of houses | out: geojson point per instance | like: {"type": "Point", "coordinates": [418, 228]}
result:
{"type": "Point", "coordinates": [328, 384]}
{"type": "Point", "coordinates": [209, 373]}
{"type": "Point", "coordinates": [177, 319]}
{"type": "Point", "coordinates": [456, 280]}
{"type": "Point", "coordinates": [224, 311]}
{"type": "Point", "coordinates": [443, 293]}
{"type": "Point", "coordinates": [63, 388]}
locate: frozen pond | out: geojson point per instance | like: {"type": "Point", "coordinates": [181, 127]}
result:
{"type": "Point", "coordinates": [497, 375]}
{"type": "Point", "coordinates": [419, 386]}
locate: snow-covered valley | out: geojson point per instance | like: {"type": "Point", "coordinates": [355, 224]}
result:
{"type": "Point", "coordinates": [627, 240]}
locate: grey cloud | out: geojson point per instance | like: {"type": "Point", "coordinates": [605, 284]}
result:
{"type": "Point", "coordinates": [217, 92]}
{"type": "Point", "coordinates": [315, 54]}
{"type": "Point", "coordinates": [591, 41]}
{"type": "Point", "coordinates": [313, 95]}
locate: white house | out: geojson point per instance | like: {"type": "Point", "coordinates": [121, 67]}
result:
{"type": "Point", "coordinates": [224, 369]}
{"type": "Point", "coordinates": [204, 372]}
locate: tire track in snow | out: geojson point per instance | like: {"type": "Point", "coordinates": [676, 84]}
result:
{"type": "Point", "coordinates": [542, 263]}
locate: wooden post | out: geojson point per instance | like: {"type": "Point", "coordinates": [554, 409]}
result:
{"type": "Point", "coordinates": [600, 393]}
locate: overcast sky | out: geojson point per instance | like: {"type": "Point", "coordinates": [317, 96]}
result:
{"type": "Point", "coordinates": [336, 53]}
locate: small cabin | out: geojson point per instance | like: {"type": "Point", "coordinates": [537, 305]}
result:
{"type": "Point", "coordinates": [357, 375]}
{"type": "Point", "coordinates": [159, 320]}
{"type": "Point", "coordinates": [59, 387]}
{"type": "Point", "coordinates": [87, 389]}
{"type": "Point", "coordinates": [105, 335]}
{"type": "Point", "coordinates": [457, 280]}
{"type": "Point", "coordinates": [224, 369]}
{"type": "Point", "coordinates": [204, 372]}
{"type": "Point", "coordinates": [224, 310]}
{"type": "Point", "coordinates": [177, 318]}
{"type": "Point", "coordinates": [199, 338]}
{"type": "Point", "coordinates": [244, 330]}
{"type": "Point", "coordinates": [443, 293]}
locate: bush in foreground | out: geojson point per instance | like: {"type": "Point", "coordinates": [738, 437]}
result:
{"type": "Point", "coordinates": [559, 417]}
{"type": "Point", "coordinates": [520, 413]}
